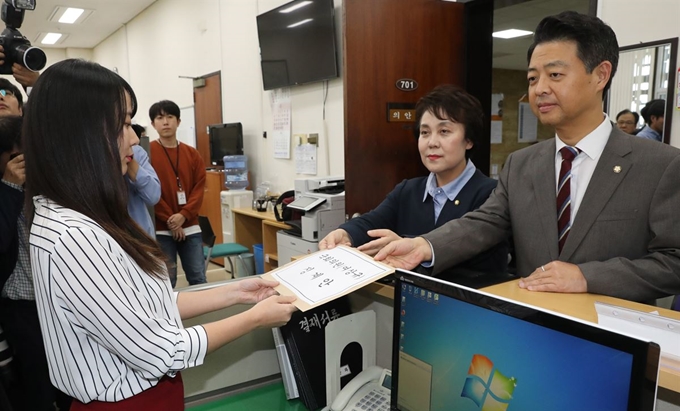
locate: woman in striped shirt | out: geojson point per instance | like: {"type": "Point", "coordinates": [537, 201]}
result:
{"type": "Point", "coordinates": [111, 323]}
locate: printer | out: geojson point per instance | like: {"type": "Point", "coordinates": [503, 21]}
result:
{"type": "Point", "coordinates": [321, 201]}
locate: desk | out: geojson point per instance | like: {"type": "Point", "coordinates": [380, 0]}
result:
{"type": "Point", "coordinates": [258, 227]}
{"type": "Point", "coordinates": [582, 306]}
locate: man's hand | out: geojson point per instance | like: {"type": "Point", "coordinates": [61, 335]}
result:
{"type": "Point", "coordinates": [175, 221]}
{"type": "Point", "coordinates": [15, 171]}
{"type": "Point", "coordinates": [405, 253]}
{"type": "Point", "coordinates": [384, 237]}
{"type": "Point", "coordinates": [556, 277]}
{"type": "Point", "coordinates": [24, 76]}
{"type": "Point", "coordinates": [178, 234]}
{"type": "Point", "coordinates": [334, 239]}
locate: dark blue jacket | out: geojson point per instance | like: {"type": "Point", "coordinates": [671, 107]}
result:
{"type": "Point", "coordinates": [405, 213]}
{"type": "Point", "coordinates": [11, 202]}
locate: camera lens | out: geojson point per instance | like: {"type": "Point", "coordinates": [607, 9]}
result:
{"type": "Point", "coordinates": [30, 57]}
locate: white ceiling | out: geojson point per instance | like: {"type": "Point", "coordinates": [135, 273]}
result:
{"type": "Point", "coordinates": [108, 16]}
{"type": "Point", "coordinates": [512, 53]}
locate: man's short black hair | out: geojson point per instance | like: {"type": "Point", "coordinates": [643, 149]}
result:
{"type": "Point", "coordinates": [163, 107]}
{"type": "Point", "coordinates": [10, 133]}
{"type": "Point", "coordinates": [595, 40]}
{"type": "Point", "coordinates": [656, 108]}
{"type": "Point", "coordinates": [626, 111]}
{"type": "Point", "coordinates": [139, 130]}
{"type": "Point", "coordinates": [7, 85]}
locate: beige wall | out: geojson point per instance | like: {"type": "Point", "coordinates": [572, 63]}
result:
{"type": "Point", "coordinates": [175, 38]}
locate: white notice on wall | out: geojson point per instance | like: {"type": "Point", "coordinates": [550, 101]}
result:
{"type": "Point", "coordinates": [497, 118]}
{"type": "Point", "coordinates": [281, 118]}
{"type": "Point", "coordinates": [326, 275]}
{"type": "Point", "coordinates": [497, 132]}
{"type": "Point", "coordinates": [305, 159]}
{"type": "Point", "coordinates": [527, 124]}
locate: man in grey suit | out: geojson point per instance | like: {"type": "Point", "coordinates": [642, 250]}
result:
{"type": "Point", "coordinates": [618, 231]}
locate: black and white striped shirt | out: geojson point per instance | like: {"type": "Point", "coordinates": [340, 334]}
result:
{"type": "Point", "coordinates": [111, 331]}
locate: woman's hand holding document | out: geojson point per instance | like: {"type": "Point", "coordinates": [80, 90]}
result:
{"type": "Point", "coordinates": [326, 275]}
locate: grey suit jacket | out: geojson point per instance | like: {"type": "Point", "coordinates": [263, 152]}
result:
{"type": "Point", "coordinates": [625, 237]}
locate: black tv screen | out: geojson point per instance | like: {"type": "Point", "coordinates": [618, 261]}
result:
{"type": "Point", "coordinates": [297, 43]}
{"type": "Point", "coordinates": [225, 140]}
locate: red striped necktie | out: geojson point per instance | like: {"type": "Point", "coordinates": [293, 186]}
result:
{"type": "Point", "coordinates": [564, 194]}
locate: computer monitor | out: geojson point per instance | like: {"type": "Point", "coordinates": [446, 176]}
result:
{"type": "Point", "coordinates": [456, 348]}
{"type": "Point", "coordinates": [225, 140]}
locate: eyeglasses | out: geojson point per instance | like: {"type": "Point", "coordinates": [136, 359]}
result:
{"type": "Point", "coordinates": [5, 92]}
{"type": "Point", "coordinates": [621, 123]}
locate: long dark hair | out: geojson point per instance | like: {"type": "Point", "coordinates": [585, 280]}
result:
{"type": "Point", "coordinates": [72, 126]}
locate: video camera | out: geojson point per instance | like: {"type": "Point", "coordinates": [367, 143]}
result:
{"type": "Point", "coordinates": [17, 47]}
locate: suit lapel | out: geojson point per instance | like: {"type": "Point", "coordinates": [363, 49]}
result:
{"type": "Point", "coordinates": [543, 177]}
{"type": "Point", "coordinates": [602, 185]}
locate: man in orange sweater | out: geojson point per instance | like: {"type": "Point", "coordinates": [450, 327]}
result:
{"type": "Point", "coordinates": [181, 171]}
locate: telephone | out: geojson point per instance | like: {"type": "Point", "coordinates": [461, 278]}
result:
{"type": "Point", "coordinates": [371, 388]}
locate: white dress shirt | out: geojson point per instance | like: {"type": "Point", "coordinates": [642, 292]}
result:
{"type": "Point", "coordinates": [583, 166]}
{"type": "Point", "coordinates": [110, 330]}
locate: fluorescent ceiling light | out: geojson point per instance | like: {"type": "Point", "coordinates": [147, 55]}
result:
{"type": "Point", "coordinates": [511, 34]}
{"type": "Point", "coordinates": [300, 23]}
{"type": "Point", "coordinates": [51, 38]}
{"type": "Point", "coordinates": [295, 7]}
{"type": "Point", "coordinates": [70, 15]}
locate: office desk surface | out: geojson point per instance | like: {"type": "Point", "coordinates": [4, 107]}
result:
{"type": "Point", "coordinates": [262, 215]}
{"type": "Point", "coordinates": [582, 306]}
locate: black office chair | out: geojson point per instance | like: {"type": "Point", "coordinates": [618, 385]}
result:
{"type": "Point", "coordinates": [212, 250]}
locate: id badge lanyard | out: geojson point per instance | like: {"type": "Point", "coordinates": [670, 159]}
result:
{"type": "Point", "coordinates": [181, 194]}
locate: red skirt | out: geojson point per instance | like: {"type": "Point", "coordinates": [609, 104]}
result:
{"type": "Point", "coordinates": [167, 395]}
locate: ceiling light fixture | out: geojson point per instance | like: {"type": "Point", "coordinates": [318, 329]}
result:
{"type": "Point", "coordinates": [295, 7]}
{"type": "Point", "coordinates": [71, 15]}
{"type": "Point", "coordinates": [511, 33]}
{"type": "Point", "coordinates": [51, 38]}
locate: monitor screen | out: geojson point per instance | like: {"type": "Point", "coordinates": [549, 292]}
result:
{"type": "Point", "coordinates": [297, 43]}
{"type": "Point", "coordinates": [225, 140]}
{"type": "Point", "coordinates": [456, 348]}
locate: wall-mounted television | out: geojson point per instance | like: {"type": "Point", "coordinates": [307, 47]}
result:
{"type": "Point", "coordinates": [297, 43]}
{"type": "Point", "coordinates": [225, 140]}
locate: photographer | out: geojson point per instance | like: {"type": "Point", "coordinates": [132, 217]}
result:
{"type": "Point", "coordinates": [22, 75]}
{"type": "Point", "coordinates": [18, 311]}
